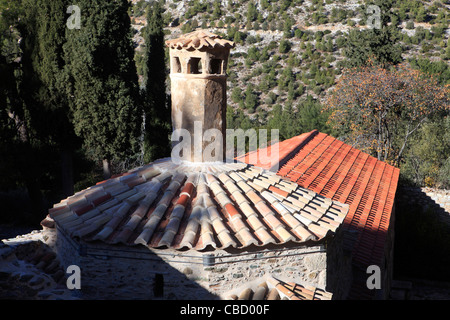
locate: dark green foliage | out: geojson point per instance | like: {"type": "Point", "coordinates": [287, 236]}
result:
{"type": "Point", "coordinates": [252, 13]}
{"type": "Point", "coordinates": [378, 44]}
{"type": "Point", "coordinates": [37, 135]}
{"type": "Point", "coordinates": [311, 117]}
{"type": "Point", "coordinates": [236, 95]}
{"type": "Point", "coordinates": [373, 43]}
{"type": "Point", "coordinates": [447, 51]}
{"type": "Point", "coordinates": [103, 83]}
{"type": "Point", "coordinates": [307, 116]}
{"type": "Point", "coordinates": [251, 99]}
{"type": "Point", "coordinates": [156, 108]}
{"type": "Point", "coordinates": [439, 69]}
{"type": "Point", "coordinates": [285, 46]}
{"type": "Point", "coordinates": [427, 160]}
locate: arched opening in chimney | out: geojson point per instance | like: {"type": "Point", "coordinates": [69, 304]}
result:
{"type": "Point", "coordinates": [176, 65]}
{"type": "Point", "coordinates": [216, 66]}
{"type": "Point", "coordinates": [195, 66]}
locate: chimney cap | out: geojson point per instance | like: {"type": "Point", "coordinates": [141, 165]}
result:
{"type": "Point", "coordinates": [198, 40]}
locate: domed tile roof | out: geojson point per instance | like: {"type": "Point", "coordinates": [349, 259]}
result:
{"type": "Point", "coordinates": [198, 206]}
{"type": "Point", "coordinates": [198, 40]}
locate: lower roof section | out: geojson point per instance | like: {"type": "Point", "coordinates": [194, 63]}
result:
{"type": "Point", "coordinates": [345, 174]}
{"type": "Point", "coordinates": [200, 206]}
{"type": "Point", "coordinates": [275, 289]}
{"type": "Point", "coordinates": [335, 170]}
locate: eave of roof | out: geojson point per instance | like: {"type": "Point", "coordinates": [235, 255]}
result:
{"type": "Point", "coordinates": [198, 40]}
{"type": "Point", "coordinates": [275, 289]}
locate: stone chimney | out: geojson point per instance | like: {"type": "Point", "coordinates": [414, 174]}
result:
{"type": "Point", "coordinates": [198, 63]}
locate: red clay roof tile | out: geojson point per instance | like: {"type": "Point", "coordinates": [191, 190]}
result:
{"type": "Point", "coordinates": [274, 289]}
{"type": "Point", "coordinates": [339, 172]}
{"type": "Point", "coordinates": [161, 211]}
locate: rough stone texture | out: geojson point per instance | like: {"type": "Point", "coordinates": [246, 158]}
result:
{"type": "Point", "coordinates": [429, 198]}
{"type": "Point", "coordinates": [119, 272]}
{"type": "Point", "coordinates": [199, 97]}
{"type": "Point", "coordinates": [440, 196]}
{"type": "Point", "coordinates": [339, 267]}
{"type": "Point", "coordinates": [30, 270]}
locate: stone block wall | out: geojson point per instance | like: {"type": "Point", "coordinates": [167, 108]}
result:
{"type": "Point", "coordinates": [339, 267]}
{"type": "Point", "coordinates": [440, 197]}
{"type": "Point", "coordinates": [121, 272]}
{"type": "Point", "coordinates": [428, 198]}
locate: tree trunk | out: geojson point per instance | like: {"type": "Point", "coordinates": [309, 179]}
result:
{"type": "Point", "coordinates": [67, 172]}
{"type": "Point", "coordinates": [106, 169]}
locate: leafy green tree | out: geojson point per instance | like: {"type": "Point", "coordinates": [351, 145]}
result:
{"type": "Point", "coordinates": [156, 108]}
{"type": "Point", "coordinates": [439, 69]}
{"type": "Point", "coordinates": [102, 82]}
{"type": "Point", "coordinates": [379, 110]}
{"type": "Point", "coordinates": [27, 160]}
{"type": "Point", "coordinates": [13, 127]}
{"type": "Point", "coordinates": [426, 160]}
{"type": "Point", "coordinates": [236, 95]}
{"type": "Point", "coordinates": [34, 98]}
{"type": "Point", "coordinates": [285, 120]}
{"type": "Point", "coordinates": [421, 15]}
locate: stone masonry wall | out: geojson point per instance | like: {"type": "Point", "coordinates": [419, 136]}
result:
{"type": "Point", "coordinates": [139, 273]}
{"type": "Point", "coordinates": [440, 196]}
{"type": "Point", "coordinates": [437, 199]}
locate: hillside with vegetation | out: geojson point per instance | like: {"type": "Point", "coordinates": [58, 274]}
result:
{"type": "Point", "coordinates": [290, 55]}
{"type": "Point", "coordinates": [78, 105]}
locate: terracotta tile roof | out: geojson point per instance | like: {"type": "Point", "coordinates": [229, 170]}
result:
{"type": "Point", "coordinates": [274, 289]}
{"type": "Point", "coordinates": [198, 40]}
{"type": "Point", "coordinates": [198, 206]}
{"type": "Point", "coordinates": [342, 173]}
{"type": "Point", "coordinates": [273, 159]}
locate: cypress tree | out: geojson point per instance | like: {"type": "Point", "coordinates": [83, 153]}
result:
{"type": "Point", "coordinates": [44, 86]}
{"type": "Point", "coordinates": [156, 108]}
{"type": "Point", "coordinates": [11, 111]}
{"type": "Point", "coordinates": [103, 84]}
{"type": "Point", "coordinates": [29, 94]}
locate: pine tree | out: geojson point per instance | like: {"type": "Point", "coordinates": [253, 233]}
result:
{"type": "Point", "coordinates": [252, 12]}
{"type": "Point", "coordinates": [375, 43]}
{"type": "Point", "coordinates": [103, 83]}
{"type": "Point", "coordinates": [251, 99]}
{"type": "Point", "coordinates": [156, 109]}
{"type": "Point", "coordinates": [447, 51]}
